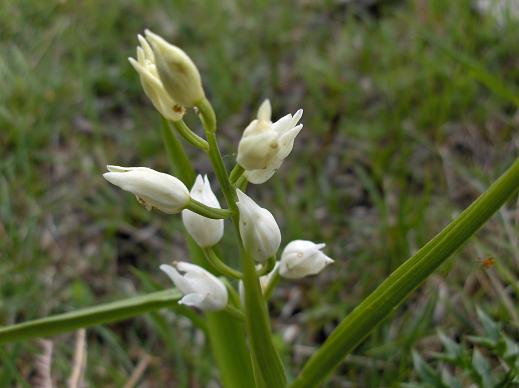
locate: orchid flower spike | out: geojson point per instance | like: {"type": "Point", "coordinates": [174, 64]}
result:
{"type": "Point", "coordinates": [301, 258]}
{"type": "Point", "coordinates": [258, 228]}
{"type": "Point", "coordinates": [152, 188]}
{"type": "Point", "coordinates": [178, 73]}
{"type": "Point", "coordinates": [264, 144]}
{"type": "Point", "coordinates": [200, 288]}
{"type": "Point", "coordinates": [206, 232]}
{"type": "Point", "coordinates": [152, 85]}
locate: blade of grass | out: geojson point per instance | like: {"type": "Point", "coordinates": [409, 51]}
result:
{"type": "Point", "coordinates": [405, 279]}
{"type": "Point", "coordinates": [477, 70]}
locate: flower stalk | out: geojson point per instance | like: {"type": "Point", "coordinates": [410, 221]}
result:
{"type": "Point", "coordinates": [222, 268]}
{"type": "Point", "coordinates": [207, 211]}
{"type": "Point", "coordinates": [229, 349]}
{"type": "Point", "coordinates": [191, 137]}
{"type": "Point", "coordinates": [268, 367]}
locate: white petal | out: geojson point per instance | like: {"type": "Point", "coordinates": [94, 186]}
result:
{"type": "Point", "coordinates": [146, 48]}
{"type": "Point", "coordinates": [296, 117]}
{"type": "Point", "coordinates": [286, 141]}
{"type": "Point", "coordinates": [265, 111]}
{"type": "Point", "coordinates": [282, 125]}
{"type": "Point", "coordinates": [259, 176]}
{"type": "Point", "coordinates": [182, 285]}
{"type": "Point", "coordinates": [256, 149]}
{"type": "Point", "coordinates": [141, 57]}
{"type": "Point", "coordinates": [195, 300]}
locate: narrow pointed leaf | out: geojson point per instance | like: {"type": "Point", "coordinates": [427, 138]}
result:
{"type": "Point", "coordinates": [404, 280]}
{"type": "Point", "coordinates": [105, 313]}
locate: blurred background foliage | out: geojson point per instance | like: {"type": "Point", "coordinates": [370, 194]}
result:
{"type": "Point", "coordinates": [410, 112]}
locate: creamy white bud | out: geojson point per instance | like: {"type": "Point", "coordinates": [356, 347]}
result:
{"type": "Point", "coordinates": [301, 258]}
{"type": "Point", "coordinates": [178, 73]}
{"type": "Point", "coordinates": [264, 144]}
{"type": "Point", "coordinates": [205, 231]}
{"type": "Point", "coordinates": [258, 229]}
{"type": "Point", "coordinates": [152, 188]}
{"type": "Point", "coordinates": [152, 85]}
{"type": "Point", "coordinates": [200, 288]}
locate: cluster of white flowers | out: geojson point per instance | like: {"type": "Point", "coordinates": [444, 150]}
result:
{"type": "Point", "coordinates": [172, 82]}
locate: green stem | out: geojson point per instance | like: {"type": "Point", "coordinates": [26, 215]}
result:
{"type": "Point", "coordinates": [267, 266]}
{"type": "Point", "coordinates": [236, 173]}
{"type": "Point", "coordinates": [191, 137]}
{"type": "Point", "coordinates": [207, 211]}
{"type": "Point", "coordinates": [234, 312]}
{"type": "Point", "coordinates": [269, 364]}
{"type": "Point", "coordinates": [234, 297]}
{"type": "Point", "coordinates": [221, 174]}
{"type": "Point", "coordinates": [225, 333]}
{"type": "Point", "coordinates": [242, 183]}
{"type": "Point", "coordinates": [268, 368]}
{"type": "Point", "coordinates": [271, 286]}
{"type": "Point", "coordinates": [219, 265]}
{"type": "Point", "coordinates": [91, 316]}
{"type": "Point", "coordinates": [405, 279]}
{"type": "Point", "coordinates": [207, 115]}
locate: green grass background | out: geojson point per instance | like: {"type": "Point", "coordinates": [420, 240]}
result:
{"type": "Point", "coordinates": [410, 112]}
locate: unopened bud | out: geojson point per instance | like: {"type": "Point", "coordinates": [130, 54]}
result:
{"type": "Point", "coordinates": [152, 188]}
{"type": "Point", "coordinates": [205, 231]}
{"type": "Point", "coordinates": [258, 229]}
{"type": "Point", "coordinates": [178, 73]}
{"type": "Point", "coordinates": [152, 85]}
{"type": "Point", "coordinates": [301, 258]}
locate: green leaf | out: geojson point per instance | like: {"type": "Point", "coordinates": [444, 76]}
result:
{"type": "Point", "coordinates": [482, 368]}
{"type": "Point", "coordinates": [449, 380]}
{"type": "Point", "coordinates": [492, 329]}
{"type": "Point", "coordinates": [453, 349]}
{"type": "Point", "coordinates": [427, 374]}
{"type": "Point", "coordinates": [511, 348]}
{"type": "Point", "coordinates": [483, 341]}
{"type": "Point", "coordinates": [404, 280]}
{"type": "Point", "coordinates": [90, 316]}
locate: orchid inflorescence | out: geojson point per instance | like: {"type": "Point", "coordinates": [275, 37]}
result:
{"type": "Point", "coordinates": [172, 82]}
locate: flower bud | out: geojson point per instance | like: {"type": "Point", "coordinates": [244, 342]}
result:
{"type": "Point", "coordinates": [206, 232]}
{"type": "Point", "coordinates": [264, 145]}
{"type": "Point", "coordinates": [178, 73]}
{"type": "Point", "coordinates": [301, 258]}
{"type": "Point", "coordinates": [152, 85]}
{"type": "Point", "coordinates": [258, 228]}
{"type": "Point", "coordinates": [201, 289]}
{"type": "Point", "coordinates": [152, 188]}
